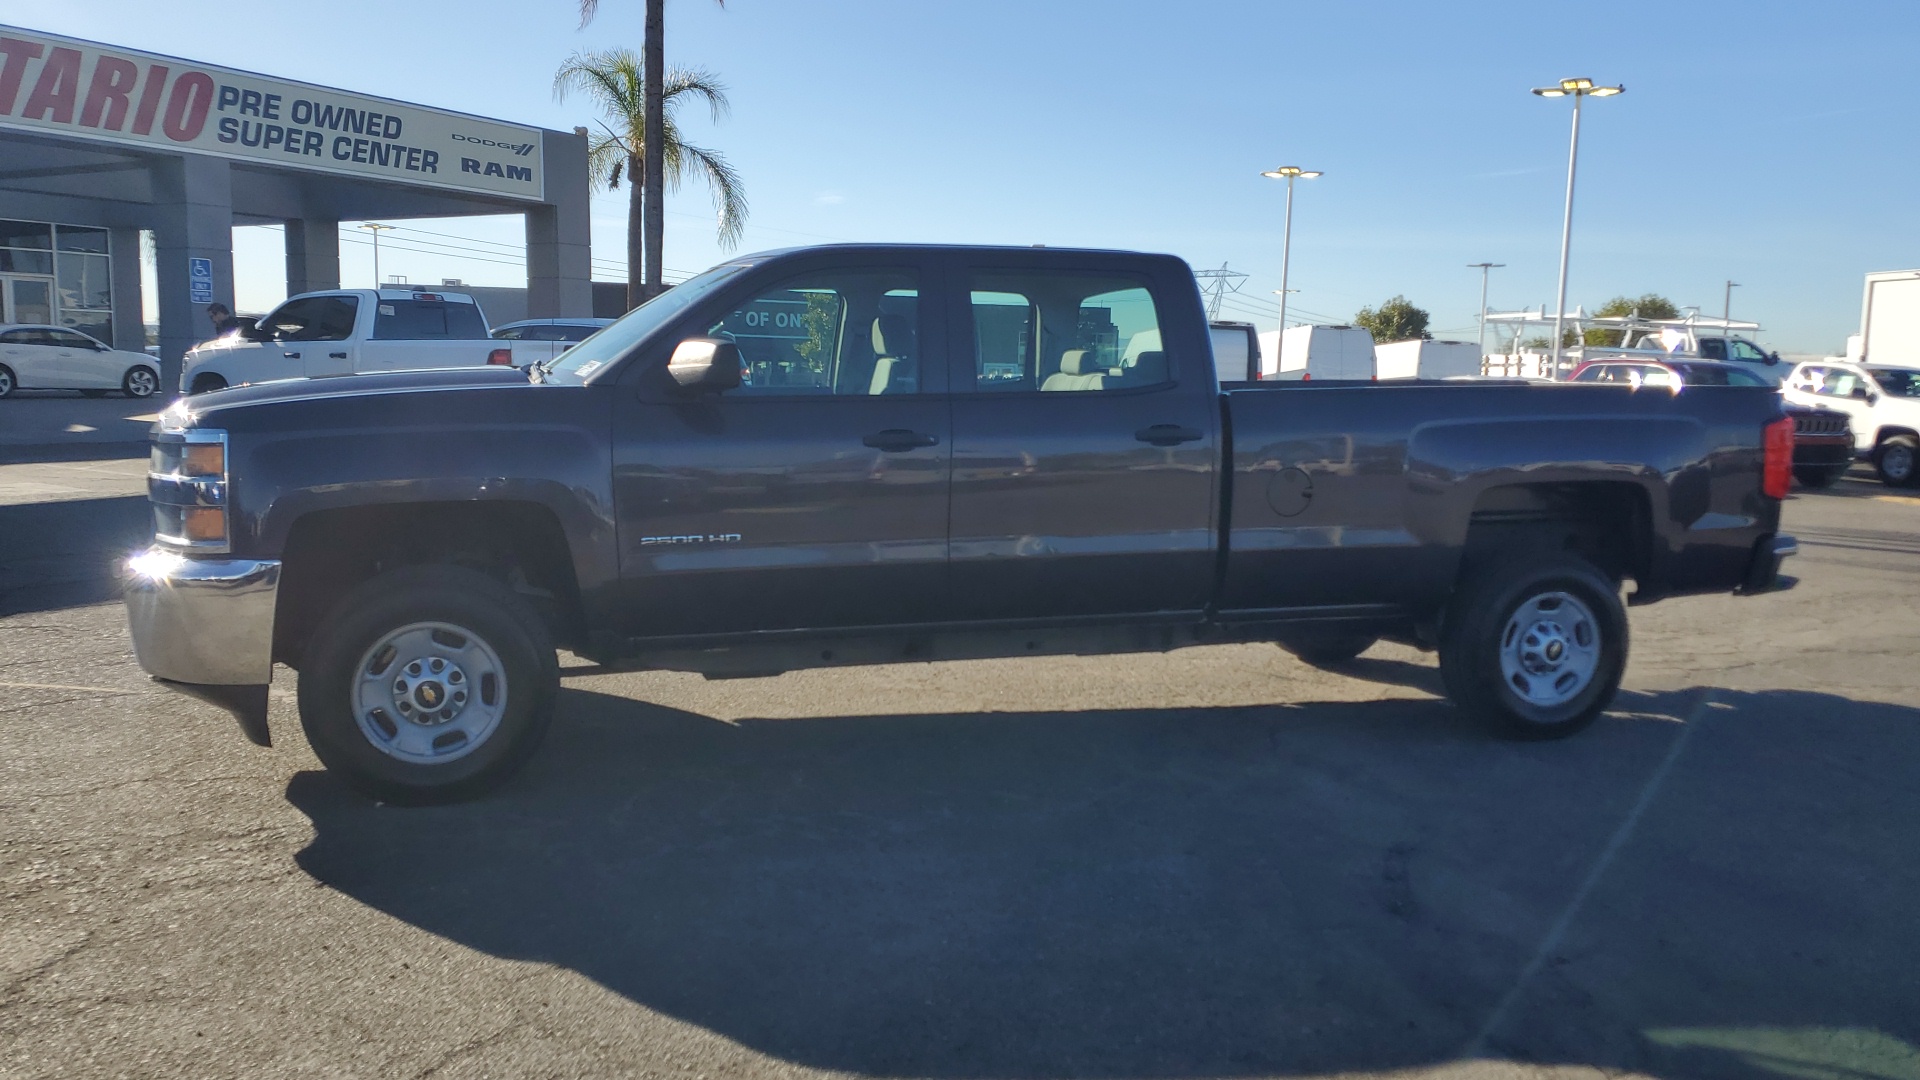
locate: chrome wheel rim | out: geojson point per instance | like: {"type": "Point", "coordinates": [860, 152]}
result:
{"type": "Point", "coordinates": [429, 693]}
{"type": "Point", "coordinates": [141, 383]}
{"type": "Point", "coordinates": [1897, 462]}
{"type": "Point", "coordinates": [1550, 649]}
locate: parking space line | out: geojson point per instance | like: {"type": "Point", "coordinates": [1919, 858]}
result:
{"type": "Point", "coordinates": [64, 686]}
{"type": "Point", "coordinates": [1551, 943]}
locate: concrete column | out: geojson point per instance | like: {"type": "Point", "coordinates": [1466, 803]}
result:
{"type": "Point", "coordinates": [129, 324]}
{"type": "Point", "coordinates": [559, 234]}
{"type": "Point", "coordinates": [194, 220]}
{"type": "Point", "coordinates": [313, 255]}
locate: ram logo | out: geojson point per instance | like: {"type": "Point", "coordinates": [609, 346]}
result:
{"type": "Point", "coordinates": [709, 538]}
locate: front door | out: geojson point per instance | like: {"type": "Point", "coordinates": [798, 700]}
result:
{"type": "Point", "coordinates": [1083, 448]}
{"type": "Point", "coordinates": [812, 496]}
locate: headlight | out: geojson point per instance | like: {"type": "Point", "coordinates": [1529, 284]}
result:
{"type": "Point", "coordinates": [187, 485]}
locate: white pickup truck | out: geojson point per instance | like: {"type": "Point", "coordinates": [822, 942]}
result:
{"type": "Point", "coordinates": [349, 331]}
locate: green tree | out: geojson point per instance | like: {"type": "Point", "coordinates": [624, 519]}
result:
{"type": "Point", "coordinates": [1395, 320]}
{"type": "Point", "coordinates": [1649, 306]}
{"type": "Point", "coordinates": [653, 129]}
{"type": "Point", "coordinates": [615, 81]}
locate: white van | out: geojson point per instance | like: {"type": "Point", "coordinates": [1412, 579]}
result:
{"type": "Point", "coordinates": [1424, 359]}
{"type": "Point", "coordinates": [1317, 352]}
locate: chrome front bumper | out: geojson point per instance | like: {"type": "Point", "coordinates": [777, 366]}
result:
{"type": "Point", "coordinates": [206, 626]}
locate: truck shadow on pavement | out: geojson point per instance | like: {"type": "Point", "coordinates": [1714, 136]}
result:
{"type": "Point", "coordinates": [1208, 892]}
{"type": "Point", "coordinates": [67, 554]}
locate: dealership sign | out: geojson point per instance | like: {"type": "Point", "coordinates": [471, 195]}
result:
{"type": "Point", "coordinates": [62, 86]}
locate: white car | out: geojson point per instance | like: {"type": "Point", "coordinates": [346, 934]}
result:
{"type": "Point", "coordinates": [1883, 403]}
{"type": "Point", "coordinates": [35, 356]}
{"type": "Point", "coordinates": [544, 339]}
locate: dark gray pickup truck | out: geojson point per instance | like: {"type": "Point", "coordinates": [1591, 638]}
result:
{"type": "Point", "coordinates": [884, 454]}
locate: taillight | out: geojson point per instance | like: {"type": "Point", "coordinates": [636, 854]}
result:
{"type": "Point", "coordinates": [1776, 474]}
{"type": "Point", "coordinates": [501, 356]}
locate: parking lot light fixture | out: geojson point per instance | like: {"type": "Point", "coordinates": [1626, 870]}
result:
{"type": "Point", "coordinates": [376, 228]}
{"type": "Point", "coordinates": [1575, 89]}
{"type": "Point", "coordinates": [1289, 173]}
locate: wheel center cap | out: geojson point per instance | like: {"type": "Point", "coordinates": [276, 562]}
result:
{"type": "Point", "coordinates": [429, 695]}
{"type": "Point", "coordinates": [431, 690]}
{"type": "Point", "coordinates": [1544, 647]}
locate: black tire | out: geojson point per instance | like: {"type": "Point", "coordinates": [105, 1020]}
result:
{"type": "Point", "coordinates": [1484, 622]}
{"type": "Point", "coordinates": [469, 602]}
{"type": "Point", "coordinates": [1897, 460]}
{"type": "Point", "coordinates": [8, 384]}
{"type": "Point", "coordinates": [139, 382]}
{"type": "Point", "coordinates": [1330, 649]}
{"type": "Point", "coordinates": [207, 384]}
{"type": "Point", "coordinates": [1816, 477]}
{"type": "Point", "coordinates": [93, 393]}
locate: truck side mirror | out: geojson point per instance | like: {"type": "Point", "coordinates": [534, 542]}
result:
{"type": "Point", "coordinates": [1773, 358]}
{"type": "Point", "coordinates": [1862, 392]}
{"type": "Point", "coordinates": [705, 365]}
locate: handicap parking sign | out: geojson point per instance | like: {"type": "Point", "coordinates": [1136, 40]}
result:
{"type": "Point", "coordinates": [200, 281]}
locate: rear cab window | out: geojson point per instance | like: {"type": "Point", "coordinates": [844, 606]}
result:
{"type": "Point", "coordinates": [1063, 331]}
{"type": "Point", "coordinates": [427, 320]}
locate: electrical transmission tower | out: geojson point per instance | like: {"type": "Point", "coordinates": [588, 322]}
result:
{"type": "Point", "coordinates": [1216, 284]}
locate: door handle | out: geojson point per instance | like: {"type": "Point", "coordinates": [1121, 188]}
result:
{"type": "Point", "coordinates": [1167, 435]}
{"type": "Point", "coordinates": [291, 355]}
{"type": "Point", "coordinates": [337, 355]}
{"type": "Point", "coordinates": [899, 440]}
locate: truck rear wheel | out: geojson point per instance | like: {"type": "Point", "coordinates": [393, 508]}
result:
{"type": "Point", "coordinates": [428, 684]}
{"type": "Point", "coordinates": [1535, 648]}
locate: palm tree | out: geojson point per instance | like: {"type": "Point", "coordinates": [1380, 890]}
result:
{"type": "Point", "coordinates": [616, 82]}
{"type": "Point", "coordinates": [653, 186]}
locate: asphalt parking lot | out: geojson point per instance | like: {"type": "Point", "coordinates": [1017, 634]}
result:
{"type": "Point", "coordinates": [1215, 863]}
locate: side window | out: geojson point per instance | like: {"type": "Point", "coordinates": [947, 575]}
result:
{"type": "Point", "coordinates": [830, 332]}
{"type": "Point", "coordinates": [510, 333]}
{"type": "Point", "coordinates": [18, 337]}
{"type": "Point", "coordinates": [1592, 374]}
{"type": "Point", "coordinates": [67, 339]}
{"type": "Point", "coordinates": [1713, 349]}
{"type": "Point", "coordinates": [1064, 331]}
{"type": "Point", "coordinates": [316, 318]}
{"type": "Point", "coordinates": [1807, 380]}
{"type": "Point", "coordinates": [1839, 383]}
{"type": "Point", "coordinates": [427, 320]}
{"type": "Point", "coordinates": [1747, 352]}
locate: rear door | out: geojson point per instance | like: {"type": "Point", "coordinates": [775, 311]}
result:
{"type": "Point", "coordinates": [1083, 443]}
{"type": "Point", "coordinates": [425, 331]}
{"type": "Point", "coordinates": [25, 350]}
{"type": "Point", "coordinates": [812, 496]}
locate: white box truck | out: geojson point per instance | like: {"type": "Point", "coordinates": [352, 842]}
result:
{"type": "Point", "coordinates": [1421, 359]}
{"type": "Point", "coordinates": [1317, 352]}
{"type": "Point", "coordinates": [1890, 319]}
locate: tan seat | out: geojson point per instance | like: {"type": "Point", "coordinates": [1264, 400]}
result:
{"type": "Point", "coordinates": [893, 369]}
{"type": "Point", "coordinates": [1076, 373]}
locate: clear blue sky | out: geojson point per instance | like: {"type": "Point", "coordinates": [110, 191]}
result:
{"type": "Point", "coordinates": [1765, 141]}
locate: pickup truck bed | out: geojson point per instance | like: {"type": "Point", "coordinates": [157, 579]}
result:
{"type": "Point", "coordinates": [885, 454]}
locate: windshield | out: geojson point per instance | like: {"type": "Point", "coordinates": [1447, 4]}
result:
{"type": "Point", "coordinates": [615, 341]}
{"type": "Point", "coordinates": [1900, 382]}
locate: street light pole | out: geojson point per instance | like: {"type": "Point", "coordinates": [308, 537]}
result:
{"type": "Point", "coordinates": [1726, 311]}
{"type": "Point", "coordinates": [1289, 173]}
{"type": "Point", "coordinates": [376, 229]}
{"type": "Point", "coordinates": [1576, 89]}
{"type": "Point", "coordinates": [1484, 267]}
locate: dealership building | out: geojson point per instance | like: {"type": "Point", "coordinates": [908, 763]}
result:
{"type": "Point", "coordinates": [99, 144]}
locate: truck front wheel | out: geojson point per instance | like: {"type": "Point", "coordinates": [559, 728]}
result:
{"type": "Point", "coordinates": [1535, 648]}
{"type": "Point", "coordinates": [428, 684]}
{"type": "Point", "coordinates": [1897, 460]}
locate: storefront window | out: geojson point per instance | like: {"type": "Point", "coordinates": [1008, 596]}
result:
{"type": "Point", "coordinates": [26, 234]}
{"type": "Point", "coordinates": [85, 280]}
{"type": "Point", "coordinates": [77, 238]}
{"type": "Point", "coordinates": [23, 261]}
